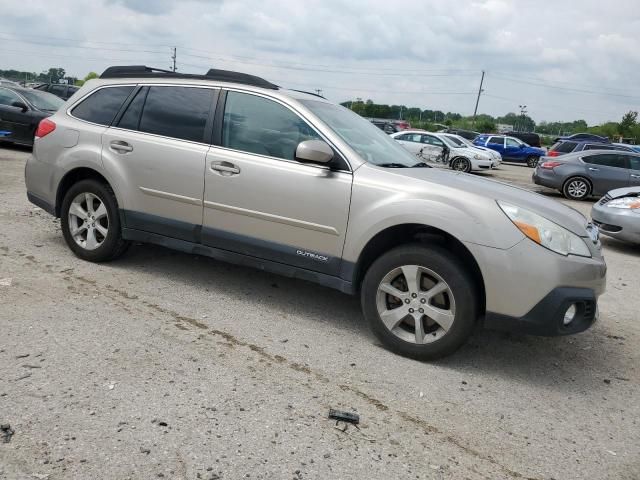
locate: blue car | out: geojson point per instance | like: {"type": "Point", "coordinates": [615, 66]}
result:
{"type": "Point", "coordinates": [511, 149]}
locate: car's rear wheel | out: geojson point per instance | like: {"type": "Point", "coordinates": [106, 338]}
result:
{"type": "Point", "coordinates": [461, 165]}
{"type": "Point", "coordinates": [532, 161]}
{"type": "Point", "coordinates": [576, 188]}
{"type": "Point", "coordinates": [419, 301]}
{"type": "Point", "coordinates": [91, 223]}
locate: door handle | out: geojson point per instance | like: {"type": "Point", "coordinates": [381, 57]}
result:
{"type": "Point", "coordinates": [633, 175]}
{"type": "Point", "coordinates": [225, 168]}
{"type": "Point", "coordinates": [120, 147]}
{"type": "Point", "coordinates": [594, 169]}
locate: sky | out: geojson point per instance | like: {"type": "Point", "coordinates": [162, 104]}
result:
{"type": "Point", "coordinates": [564, 60]}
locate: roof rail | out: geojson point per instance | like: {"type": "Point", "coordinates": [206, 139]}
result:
{"type": "Point", "coordinates": [142, 71]}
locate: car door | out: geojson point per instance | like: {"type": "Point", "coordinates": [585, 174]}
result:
{"type": "Point", "coordinates": [433, 147]}
{"type": "Point", "coordinates": [607, 171]}
{"type": "Point", "coordinates": [634, 170]}
{"type": "Point", "coordinates": [259, 200]}
{"type": "Point", "coordinates": [158, 147]}
{"type": "Point", "coordinates": [497, 143]}
{"type": "Point", "coordinates": [514, 149]}
{"type": "Point", "coordinates": [14, 119]}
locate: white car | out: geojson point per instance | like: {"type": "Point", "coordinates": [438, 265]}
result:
{"type": "Point", "coordinates": [445, 148]}
{"type": "Point", "coordinates": [492, 153]}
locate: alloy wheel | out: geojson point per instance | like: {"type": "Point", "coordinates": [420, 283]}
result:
{"type": "Point", "coordinates": [88, 221]}
{"type": "Point", "coordinates": [416, 304]}
{"type": "Point", "coordinates": [577, 188]}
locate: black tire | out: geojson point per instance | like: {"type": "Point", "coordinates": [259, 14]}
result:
{"type": "Point", "coordinates": [571, 187]}
{"type": "Point", "coordinates": [451, 270]}
{"type": "Point", "coordinates": [532, 161]}
{"type": "Point", "coordinates": [461, 164]}
{"type": "Point", "coordinates": [113, 245]}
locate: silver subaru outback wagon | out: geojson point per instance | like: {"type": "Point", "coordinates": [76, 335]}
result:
{"type": "Point", "coordinates": [231, 166]}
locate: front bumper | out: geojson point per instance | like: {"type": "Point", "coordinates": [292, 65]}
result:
{"type": "Point", "coordinates": [620, 223]}
{"type": "Point", "coordinates": [547, 317]}
{"type": "Point", "coordinates": [546, 178]}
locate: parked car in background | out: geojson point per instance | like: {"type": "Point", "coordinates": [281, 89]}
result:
{"type": "Point", "coordinates": [582, 137]}
{"type": "Point", "coordinates": [497, 158]}
{"type": "Point", "coordinates": [568, 146]}
{"type": "Point", "coordinates": [529, 138]}
{"type": "Point", "coordinates": [58, 89]}
{"type": "Point", "coordinates": [385, 125]}
{"type": "Point", "coordinates": [468, 134]}
{"type": "Point", "coordinates": [512, 149]}
{"type": "Point", "coordinates": [21, 109]}
{"type": "Point", "coordinates": [617, 214]}
{"type": "Point", "coordinates": [635, 148]}
{"type": "Point", "coordinates": [594, 172]}
{"type": "Point", "coordinates": [232, 166]}
{"type": "Point", "coordinates": [445, 148]}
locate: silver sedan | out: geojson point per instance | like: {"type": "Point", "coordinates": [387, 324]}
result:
{"type": "Point", "coordinates": [617, 214]}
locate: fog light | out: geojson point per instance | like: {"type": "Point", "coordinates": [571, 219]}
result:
{"type": "Point", "coordinates": [570, 314]}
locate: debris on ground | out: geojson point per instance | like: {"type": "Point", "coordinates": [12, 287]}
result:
{"type": "Point", "coordinates": [347, 417]}
{"type": "Point", "coordinates": [6, 432]}
{"type": "Point", "coordinates": [6, 282]}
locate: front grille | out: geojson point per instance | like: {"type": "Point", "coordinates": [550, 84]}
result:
{"type": "Point", "coordinates": [606, 199]}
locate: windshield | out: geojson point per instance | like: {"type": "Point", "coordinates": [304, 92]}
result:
{"type": "Point", "coordinates": [371, 143]}
{"type": "Point", "coordinates": [454, 142]}
{"type": "Point", "coordinates": [42, 100]}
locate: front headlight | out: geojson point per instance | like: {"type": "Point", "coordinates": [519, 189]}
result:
{"type": "Point", "coordinates": [476, 156]}
{"type": "Point", "coordinates": [625, 202]}
{"type": "Point", "coordinates": [546, 233]}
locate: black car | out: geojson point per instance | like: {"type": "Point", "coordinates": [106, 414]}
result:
{"type": "Point", "coordinates": [58, 89]}
{"type": "Point", "coordinates": [583, 137]}
{"type": "Point", "coordinates": [532, 139]}
{"type": "Point", "coordinates": [468, 134]}
{"type": "Point", "coordinates": [21, 109]}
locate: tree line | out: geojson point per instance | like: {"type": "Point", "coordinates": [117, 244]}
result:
{"type": "Point", "coordinates": [628, 127]}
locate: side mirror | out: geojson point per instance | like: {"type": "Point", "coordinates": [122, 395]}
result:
{"type": "Point", "coordinates": [315, 151]}
{"type": "Point", "coordinates": [20, 105]}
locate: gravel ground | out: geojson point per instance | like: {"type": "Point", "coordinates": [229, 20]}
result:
{"type": "Point", "coordinates": [167, 365]}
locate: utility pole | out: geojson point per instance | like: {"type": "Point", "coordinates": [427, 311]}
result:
{"type": "Point", "coordinates": [173, 57]}
{"type": "Point", "coordinates": [523, 112]}
{"type": "Point", "coordinates": [318, 92]}
{"type": "Point", "coordinates": [475, 110]}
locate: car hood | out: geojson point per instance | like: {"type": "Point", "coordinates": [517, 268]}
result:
{"type": "Point", "coordinates": [624, 192]}
{"type": "Point", "coordinates": [552, 210]}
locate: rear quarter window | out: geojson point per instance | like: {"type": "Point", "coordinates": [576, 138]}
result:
{"type": "Point", "coordinates": [102, 106]}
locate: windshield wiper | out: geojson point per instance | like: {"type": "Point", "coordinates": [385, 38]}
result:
{"type": "Point", "coordinates": [392, 165]}
{"type": "Point", "coordinates": [421, 165]}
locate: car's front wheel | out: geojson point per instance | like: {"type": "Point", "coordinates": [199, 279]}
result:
{"type": "Point", "coordinates": [461, 164]}
{"type": "Point", "coordinates": [91, 223]}
{"type": "Point", "coordinates": [532, 161]}
{"type": "Point", "coordinates": [420, 301]}
{"type": "Point", "coordinates": [576, 188]}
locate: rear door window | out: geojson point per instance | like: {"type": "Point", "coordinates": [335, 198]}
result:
{"type": "Point", "coordinates": [496, 140]}
{"type": "Point", "coordinates": [7, 97]}
{"type": "Point", "coordinates": [598, 146]}
{"type": "Point", "coordinates": [608, 160]}
{"type": "Point", "coordinates": [634, 162]}
{"type": "Point", "coordinates": [131, 118]}
{"type": "Point", "coordinates": [177, 112]}
{"type": "Point", "coordinates": [103, 105]}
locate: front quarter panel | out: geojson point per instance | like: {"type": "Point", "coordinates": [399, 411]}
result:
{"type": "Point", "coordinates": [382, 198]}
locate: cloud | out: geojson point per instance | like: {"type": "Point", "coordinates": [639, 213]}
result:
{"type": "Point", "coordinates": [427, 54]}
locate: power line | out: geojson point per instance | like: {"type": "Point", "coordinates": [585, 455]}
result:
{"type": "Point", "coordinates": [49, 38]}
{"type": "Point", "coordinates": [567, 89]}
{"type": "Point", "coordinates": [49, 44]}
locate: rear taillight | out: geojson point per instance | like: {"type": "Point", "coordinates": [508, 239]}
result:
{"type": "Point", "coordinates": [550, 165]}
{"type": "Point", "coordinates": [553, 153]}
{"type": "Point", "coordinates": [45, 127]}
